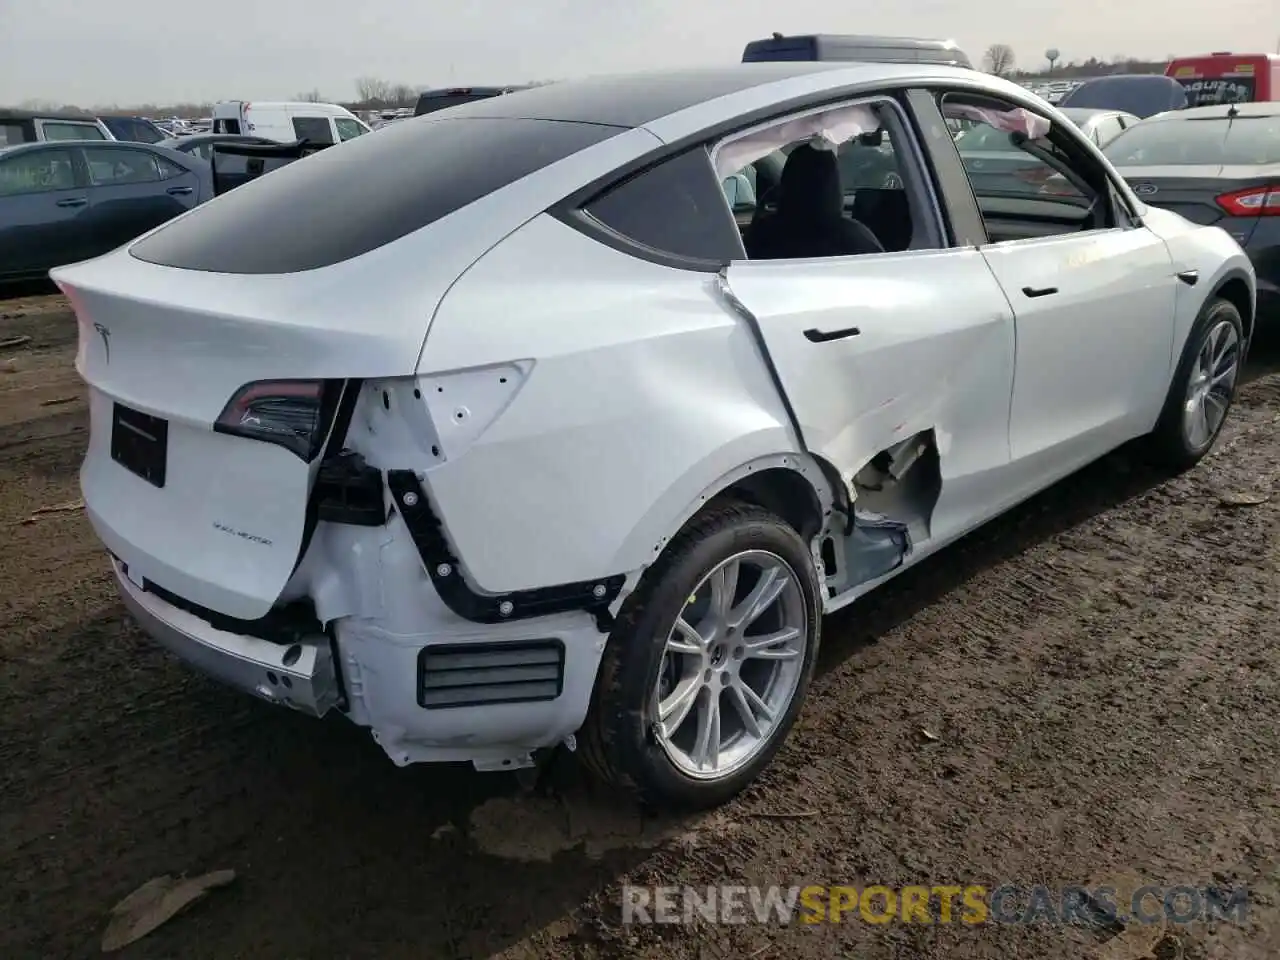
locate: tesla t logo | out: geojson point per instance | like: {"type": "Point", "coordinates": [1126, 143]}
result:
{"type": "Point", "coordinates": [1145, 189]}
{"type": "Point", "coordinates": [105, 334]}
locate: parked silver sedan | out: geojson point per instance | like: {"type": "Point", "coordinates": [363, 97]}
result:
{"type": "Point", "coordinates": [1100, 126]}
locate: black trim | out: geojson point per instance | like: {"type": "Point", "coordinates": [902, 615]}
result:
{"type": "Point", "coordinates": [718, 131]}
{"type": "Point", "coordinates": [551, 643]}
{"type": "Point", "coordinates": [291, 623]}
{"type": "Point", "coordinates": [346, 407]}
{"type": "Point", "coordinates": [583, 222]}
{"type": "Point", "coordinates": [1189, 277]}
{"type": "Point", "coordinates": [1039, 291]}
{"type": "Point", "coordinates": [814, 335]}
{"type": "Point", "coordinates": [753, 324]}
{"type": "Point", "coordinates": [443, 568]}
{"type": "Point", "coordinates": [961, 216]}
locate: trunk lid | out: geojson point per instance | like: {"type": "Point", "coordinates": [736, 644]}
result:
{"type": "Point", "coordinates": [1193, 190]}
{"type": "Point", "coordinates": [215, 518]}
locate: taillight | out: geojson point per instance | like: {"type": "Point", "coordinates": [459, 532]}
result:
{"type": "Point", "coordinates": [1254, 202]}
{"type": "Point", "coordinates": [294, 414]}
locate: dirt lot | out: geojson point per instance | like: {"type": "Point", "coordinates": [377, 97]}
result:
{"type": "Point", "coordinates": [1098, 675]}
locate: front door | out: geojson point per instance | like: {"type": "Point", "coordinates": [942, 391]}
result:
{"type": "Point", "coordinates": [1095, 326]}
{"type": "Point", "coordinates": [1093, 292]}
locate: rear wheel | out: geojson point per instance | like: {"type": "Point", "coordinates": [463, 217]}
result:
{"type": "Point", "coordinates": [1202, 389]}
{"type": "Point", "coordinates": [708, 665]}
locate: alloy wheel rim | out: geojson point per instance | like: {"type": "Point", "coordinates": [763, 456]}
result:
{"type": "Point", "coordinates": [731, 666]}
{"type": "Point", "coordinates": [1211, 385]}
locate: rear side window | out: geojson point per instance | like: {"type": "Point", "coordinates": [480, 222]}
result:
{"type": "Point", "coordinates": [37, 171]}
{"type": "Point", "coordinates": [120, 167]}
{"type": "Point", "coordinates": [13, 132]}
{"type": "Point", "coordinates": [226, 126]}
{"type": "Point", "coordinates": [57, 130]}
{"type": "Point", "coordinates": [339, 204]}
{"type": "Point", "coordinates": [676, 208]}
{"type": "Point", "coordinates": [1244, 141]}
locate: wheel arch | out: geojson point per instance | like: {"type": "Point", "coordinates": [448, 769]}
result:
{"type": "Point", "coordinates": [794, 486]}
{"type": "Point", "coordinates": [1234, 287]}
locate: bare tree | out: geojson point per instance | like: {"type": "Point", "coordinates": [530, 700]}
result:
{"type": "Point", "coordinates": [311, 96]}
{"type": "Point", "coordinates": [999, 59]}
{"type": "Point", "coordinates": [403, 95]}
{"type": "Point", "coordinates": [371, 90]}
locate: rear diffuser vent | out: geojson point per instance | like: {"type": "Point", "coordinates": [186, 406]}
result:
{"type": "Point", "coordinates": [477, 674]}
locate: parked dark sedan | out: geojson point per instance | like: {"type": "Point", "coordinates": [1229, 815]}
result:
{"type": "Point", "coordinates": [75, 199]}
{"type": "Point", "coordinates": [201, 144]}
{"type": "Point", "coordinates": [1214, 165]}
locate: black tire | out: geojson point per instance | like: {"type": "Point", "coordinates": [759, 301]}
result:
{"type": "Point", "coordinates": [617, 742]}
{"type": "Point", "coordinates": [1168, 444]}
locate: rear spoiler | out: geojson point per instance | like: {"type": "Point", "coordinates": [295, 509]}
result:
{"type": "Point", "coordinates": [235, 164]}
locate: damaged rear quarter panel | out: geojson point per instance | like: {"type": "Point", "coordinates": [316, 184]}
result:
{"type": "Point", "coordinates": [642, 392]}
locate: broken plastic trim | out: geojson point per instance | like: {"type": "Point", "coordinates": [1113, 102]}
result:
{"type": "Point", "coordinates": [592, 596]}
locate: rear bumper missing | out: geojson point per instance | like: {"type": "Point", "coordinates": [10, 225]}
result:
{"type": "Point", "coordinates": [300, 676]}
{"type": "Point", "coordinates": [489, 695]}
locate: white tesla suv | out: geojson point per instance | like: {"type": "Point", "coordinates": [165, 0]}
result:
{"type": "Point", "coordinates": [504, 430]}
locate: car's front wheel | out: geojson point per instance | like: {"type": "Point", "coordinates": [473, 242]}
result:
{"type": "Point", "coordinates": [1203, 387]}
{"type": "Point", "coordinates": [706, 670]}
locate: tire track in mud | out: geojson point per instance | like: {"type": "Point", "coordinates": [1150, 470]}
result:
{"type": "Point", "coordinates": [1093, 707]}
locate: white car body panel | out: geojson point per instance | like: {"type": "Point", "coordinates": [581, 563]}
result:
{"type": "Point", "coordinates": [566, 405]}
{"type": "Point", "coordinates": [630, 428]}
{"type": "Point", "coordinates": [1092, 357]}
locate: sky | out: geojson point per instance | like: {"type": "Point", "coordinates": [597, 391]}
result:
{"type": "Point", "coordinates": [159, 51]}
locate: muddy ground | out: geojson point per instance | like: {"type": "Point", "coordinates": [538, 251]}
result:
{"type": "Point", "coordinates": [1098, 675]}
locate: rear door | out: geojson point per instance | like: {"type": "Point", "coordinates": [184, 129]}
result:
{"type": "Point", "coordinates": [133, 190]}
{"type": "Point", "coordinates": [44, 210]}
{"type": "Point", "coordinates": [874, 348]}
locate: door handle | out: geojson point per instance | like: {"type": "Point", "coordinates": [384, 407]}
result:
{"type": "Point", "coordinates": [1039, 291]}
{"type": "Point", "coordinates": [178, 191]}
{"type": "Point", "coordinates": [1189, 277]}
{"type": "Point", "coordinates": [73, 202]}
{"type": "Point", "coordinates": [814, 335]}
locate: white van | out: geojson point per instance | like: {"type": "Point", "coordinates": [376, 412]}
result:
{"type": "Point", "coordinates": [316, 123]}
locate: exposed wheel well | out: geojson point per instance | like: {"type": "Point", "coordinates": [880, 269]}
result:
{"type": "Point", "coordinates": [784, 493]}
{"type": "Point", "coordinates": [1236, 291]}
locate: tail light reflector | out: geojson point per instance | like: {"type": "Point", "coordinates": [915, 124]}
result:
{"type": "Point", "coordinates": [1253, 202]}
{"type": "Point", "coordinates": [294, 414]}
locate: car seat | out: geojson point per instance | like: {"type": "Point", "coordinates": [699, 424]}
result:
{"type": "Point", "coordinates": [886, 213]}
{"type": "Point", "coordinates": [809, 220]}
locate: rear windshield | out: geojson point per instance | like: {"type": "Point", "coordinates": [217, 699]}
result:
{"type": "Point", "coordinates": [348, 200]}
{"type": "Point", "coordinates": [1243, 141]}
{"type": "Point", "coordinates": [430, 104]}
{"type": "Point", "coordinates": [1208, 91]}
{"type": "Point", "coordinates": [133, 130]}
{"type": "Point", "coordinates": [1141, 96]}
